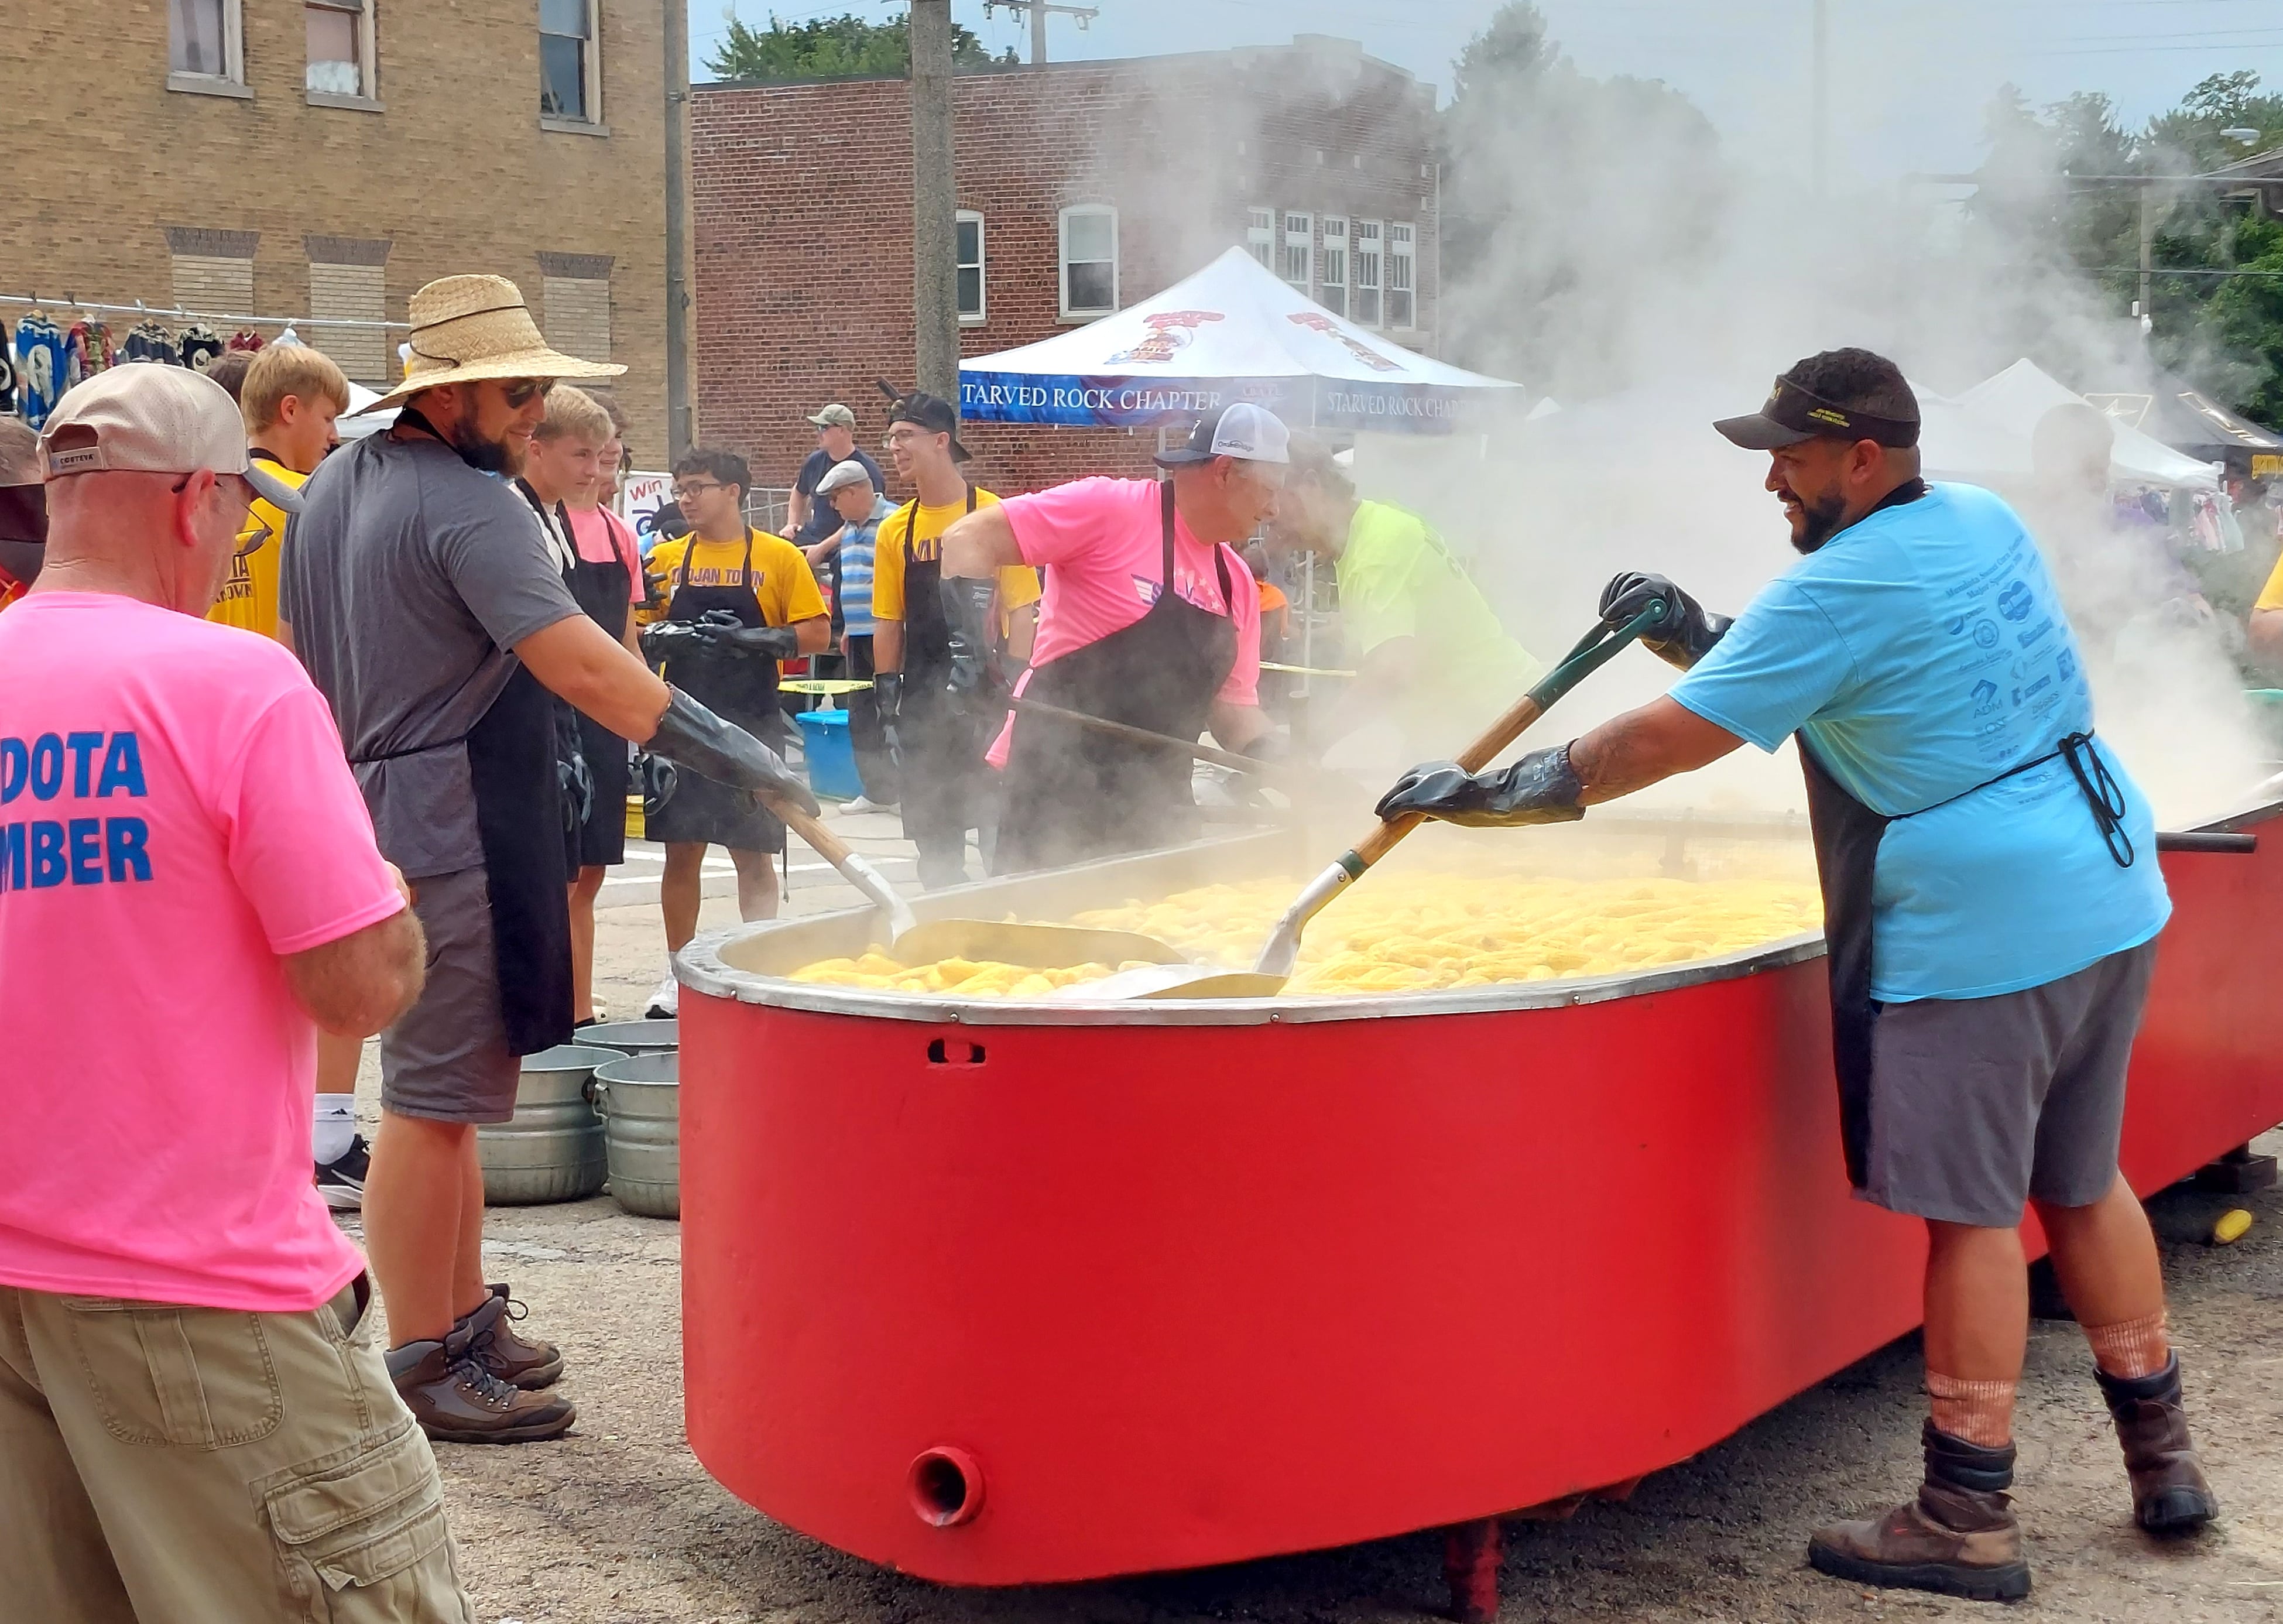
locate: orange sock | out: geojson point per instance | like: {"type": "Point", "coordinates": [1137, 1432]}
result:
{"type": "Point", "coordinates": [2131, 1349]}
{"type": "Point", "coordinates": [1980, 1412]}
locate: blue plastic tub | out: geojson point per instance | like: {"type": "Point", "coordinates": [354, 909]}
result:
{"type": "Point", "coordinates": [832, 757]}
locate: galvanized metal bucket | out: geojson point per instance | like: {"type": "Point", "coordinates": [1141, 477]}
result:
{"type": "Point", "coordinates": [641, 1101]}
{"type": "Point", "coordinates": [635, 1037]}
{"type": "Point", "coordinates": [552, 1150]}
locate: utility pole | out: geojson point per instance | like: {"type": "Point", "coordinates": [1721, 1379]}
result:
{"type": "Point", "coordinates": [680, 403]}
{"type": "Point", "coordinates": [935, 204]}
{"type": "Point", "coordinates": [1040, 10]}
{"type": "Point", "coordinates": [1820, 95]}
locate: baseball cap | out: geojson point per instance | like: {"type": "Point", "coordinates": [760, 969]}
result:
{"type": "Point", "coordinates": [932, 413]}
{"type": "Point", "coordinates": [841, 474]}
{"type": "Point", "coordinates": [1794, 412]}
{"type": "Point", "coordinates": [1241, 429]}
{"type": "Point", "coordinates": [835, 416]}
{"type": "Point", "coordinates": [142, 417]}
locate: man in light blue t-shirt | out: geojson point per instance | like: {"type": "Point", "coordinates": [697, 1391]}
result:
{"type": "Point", "coordinates": [1991, 901]}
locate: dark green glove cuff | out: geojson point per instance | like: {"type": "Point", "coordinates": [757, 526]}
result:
{"type": "Point", "coordinates": [753, 642]}
{"type": "Point", "coordinates": [967, 602]}
{"type": "Point", "coordinates": [693, 737]}
{"type": "Point", "coordinates": [1540, 788]}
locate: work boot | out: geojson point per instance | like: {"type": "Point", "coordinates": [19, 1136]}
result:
{"type": "Point", "coordinates": [497, 1344]}
{"type": "Point", "coordinates": [2169, 1494]}
{"type": "Point", "coordinates": [1958, 1538]}
{"type": "Point", "coordinates": [456, 1401]}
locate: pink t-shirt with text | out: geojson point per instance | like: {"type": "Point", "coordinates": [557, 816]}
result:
{"type": "Point", "coordinates": [1103, 543]}
{"type": "Point", "coordinates": [601, 536]}
{"type": "Point", "coordinates": [176, 816]}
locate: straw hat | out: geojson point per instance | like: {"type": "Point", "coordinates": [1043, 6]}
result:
{"type": "Point", "coordinates": [465, 329]}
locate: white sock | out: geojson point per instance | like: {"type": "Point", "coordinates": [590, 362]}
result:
{"type": "Point", "coordinates": [334, 1128]}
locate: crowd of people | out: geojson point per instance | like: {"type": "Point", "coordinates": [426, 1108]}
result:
{"type": "Point", "coordinates": [389, 813]}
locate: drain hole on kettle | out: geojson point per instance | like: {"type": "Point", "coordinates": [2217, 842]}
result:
{"type": "Point", "coordinates": [942, 1051]}
{"type": "Point", "coordinates": [946, 1487]}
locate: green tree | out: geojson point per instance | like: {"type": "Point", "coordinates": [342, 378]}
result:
{"type": "Point", "coordinates": [831, 47]}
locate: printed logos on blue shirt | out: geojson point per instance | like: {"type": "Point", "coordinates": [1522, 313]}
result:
{"type": "Point", "coordinates": [2016, 601]}
{"type": "Point", "coordinates": [38, 853]}
{"type": "Point", "coordinates": [1985, 634]}
{"type": "Point", "coordinates": [1985, 698]}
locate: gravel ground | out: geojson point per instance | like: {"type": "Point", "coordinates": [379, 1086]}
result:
{"type": "Point", "coordinates": [617, 1522]}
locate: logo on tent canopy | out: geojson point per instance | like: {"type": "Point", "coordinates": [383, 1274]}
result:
{"type": "Point", "coordinates": [1362, 351]}
{"type": "Point", "coordinates": [1169, 334]}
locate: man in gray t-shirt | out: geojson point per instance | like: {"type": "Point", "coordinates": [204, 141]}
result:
{"type": "Point", "coordinates": [425, 599]}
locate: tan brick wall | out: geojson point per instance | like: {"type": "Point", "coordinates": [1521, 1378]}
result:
{"type": "Point", "coordinates": [355, 292]}
{"type": "Point", "coordinates": [209, 282]}
{"type": "Point", "coordinates": [455, 173]}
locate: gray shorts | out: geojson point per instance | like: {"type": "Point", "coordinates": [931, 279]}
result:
{"type": "Point", "coordinates": [1980, 1104]}
{"type": "Point", "coordinates": [448, 1058]}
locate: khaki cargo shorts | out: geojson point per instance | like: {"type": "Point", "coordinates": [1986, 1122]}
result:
{"type": "Point", "coordinates": [254, 1467]}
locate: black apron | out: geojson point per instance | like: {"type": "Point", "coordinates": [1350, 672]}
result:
{"type": "Point", "coordinates": [939, 742]}
{"type": "Point", "coordinates": [739, 689]}
{"type": "Point", "coordinates": [1074, 794]}
{"type": "Point", "coordinates": [518, 813]}
{"type": "Point", "coordinates": [605, 591]}
{"type": "Point", "coordinates": [1846, 834]}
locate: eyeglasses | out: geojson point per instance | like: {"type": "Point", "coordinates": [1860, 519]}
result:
{"type": "Point", "coordinates": [683, 493]}
{"type": "Point", "coordinates": [522, 391]}
{"type": "Point", "coordinates": [246, 495]}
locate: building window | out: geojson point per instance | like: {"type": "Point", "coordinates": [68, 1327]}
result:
{"type": "Point", "coordinates": [1364, 261]}
{"type": "Point", "coordinates": [341, 48]}
{"type": "Point", "coordinates": [1297, 264]}
{"type": "Point", "coordinates": [575, 297]}
{"type": "Point", "coordinates": [205, 44]}
{"type": "Point", "coordinates": [348, 281]}
{"type": "Point", "coordinates": [968, 235]}
{"type": "Point", "coordinates": [1260, 236]}
{"type": "Point", "coordinates": [1402, 294]}
{"type": "Point", "coordinates": [1089, 259]}
{"type": "Point", "coordinates": [569, 86]}
{"type": "Point", "coordinates": [1332, 267]}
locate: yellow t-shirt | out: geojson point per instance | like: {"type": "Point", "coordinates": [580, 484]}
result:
{"type": "Point", "coordinates": [249, 599]}
{"type": "Point", "coordinates": [2270, 596]}
{"type": "Point", "coordinates": [1018, 583]}
{"type": "Point", "coordinates": [782, 583]}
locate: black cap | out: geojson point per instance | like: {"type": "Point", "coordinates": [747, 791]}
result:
{"type": "Point", "coordinates": [932, 413]}
{"type": "Point", "coordinates": [1794, 412]}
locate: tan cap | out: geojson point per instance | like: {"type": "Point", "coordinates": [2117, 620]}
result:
{"type": "Point", "coordinates": [835, 416]}
{"type": "Point", "coordinates": [145, 417]}
{"type": "Point", "coordinates": [468, 328]}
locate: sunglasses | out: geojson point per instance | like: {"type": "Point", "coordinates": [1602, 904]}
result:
{"type": "Point", "coordinates": [525, 390]}
{"type": "Point", "coordinates": [247, 495]}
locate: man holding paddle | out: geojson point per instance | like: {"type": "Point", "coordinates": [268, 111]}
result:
{"type": "Point", "coordinates": [1991, 900]}
{"type": "Point", "coordinates": [1150, 619]}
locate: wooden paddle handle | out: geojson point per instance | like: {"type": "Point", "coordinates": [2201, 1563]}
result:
{"type": "Point", "coordinates": [1510, 726]}
{"type": "Point", "coordinates": [826, 844]}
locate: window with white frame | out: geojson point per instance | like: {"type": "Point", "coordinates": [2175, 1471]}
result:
{"type": "Point", "coordinates": [569, 66]}
{"type": "Point", "coordinates": [1402, 276]}
{"type": "Point", "coordinates": [1363, 262]}
{"type": "Point", "coordinates": [1296, 261]}
{"type": "Point", "coordinates": [341, 48]}
{"type": "Point", "coordinates": [205, 44]}
{"type": "Point", "coordinates": [1260, 236]}
{"type": "Point", "coordinates": [968, 237]}
{"type": "Point", "coordinates": [1332, 265]}
{"type": "Point", "coordinates": [1089, 259]}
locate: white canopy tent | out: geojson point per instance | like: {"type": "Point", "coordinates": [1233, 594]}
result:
{"type": "Point", "coordinates": [1232, 331]}
{"type": "Point", "coordinates": [2018, 397]}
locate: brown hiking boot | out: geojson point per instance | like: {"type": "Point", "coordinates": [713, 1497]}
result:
{"type": "Point", "coordinates": [500, 1349]}
{"type": "Point", "coordinates": [1958, 1538]}
{"type": "Point", "coordinates": [2169, 1494]}
{"type": "Point", "coordinates": [457, 1399]}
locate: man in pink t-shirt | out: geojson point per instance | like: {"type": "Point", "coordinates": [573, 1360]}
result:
{"type": "Point", "coordinates": [196, 1418]}
{"type": "Point", "coordinates": [1150, 619]}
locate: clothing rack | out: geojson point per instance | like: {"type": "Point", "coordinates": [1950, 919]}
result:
{"type": "Point", "coordinates": [139, 309]}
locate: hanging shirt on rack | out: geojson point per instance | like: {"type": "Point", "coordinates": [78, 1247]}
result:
{"type": "Point", "coordinates": [40, 380]}
{"type": "Point", "coordinates": [150, 342]}
{"type": "Point", "coordinates": [201, 346]}
{"type": "Point", "coordinates": [247, 339]}
{"type": "Point", "coordinates": [87, 350]}
{"type": "Point", "coordinates": [7, 372]}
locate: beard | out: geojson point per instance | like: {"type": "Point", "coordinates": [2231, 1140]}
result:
{"type": "Point", "coordinates": [500, 456]}
{"type": "Point", "coordinates": [1818, 522]}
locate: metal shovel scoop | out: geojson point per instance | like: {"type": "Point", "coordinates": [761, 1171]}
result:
{"type": "Point", "coordinates": [1275, 964]}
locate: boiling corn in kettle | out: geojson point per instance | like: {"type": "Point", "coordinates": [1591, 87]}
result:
{"type": "Point", "coordinates": [1407, 933]}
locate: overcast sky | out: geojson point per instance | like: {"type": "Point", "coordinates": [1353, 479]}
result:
{"type": "Point", "coordinates": [1909, 80]}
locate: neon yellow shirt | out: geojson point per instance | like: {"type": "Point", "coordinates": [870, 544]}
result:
{"type": "Point", "coordinates": [1399, 579]}
{"type": "Point", "coordinates": [249, 598]}
{"type": "Point", "coordinates": [2270, 596]}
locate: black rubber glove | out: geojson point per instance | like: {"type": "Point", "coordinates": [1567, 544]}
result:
{"type": "Point", "coordinates": [745, 641]}
{"type": "Point", "coordinates": [888, 696]}
{"type": "Point", "coordinates": [658, 784]}
{"type": "Point", "coordinates": [690, 736]}
{"type": "Point", "coordinates": [1680, 644]}
{"type": "Point", "coordinates": [968, 602]}
{"type": "Point", "coordinates": [1537, 789]}
{"type": "Point", "coordinates": [664, 639]}
{"type": "Point", "coordinates": [1270, 747]}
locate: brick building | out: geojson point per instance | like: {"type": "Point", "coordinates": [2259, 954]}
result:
{"type": "Point", "coordinates": [1083, 187]}
{"type": "Point", "coordinates": [324, 158]}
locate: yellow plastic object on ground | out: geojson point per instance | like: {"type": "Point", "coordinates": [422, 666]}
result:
{"type": "Point", "coordinates": [2233, 1226]}
{"type": "Point", "coordinates": [1410, 933]}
